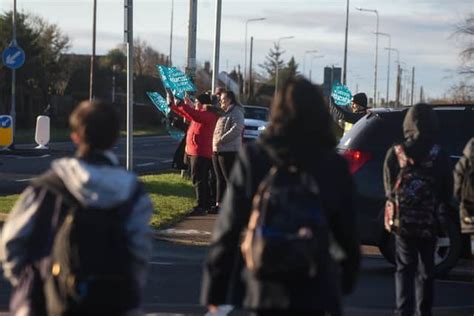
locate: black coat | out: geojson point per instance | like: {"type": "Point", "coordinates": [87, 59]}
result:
{"type": "Point", "coordinates": [224, 261]}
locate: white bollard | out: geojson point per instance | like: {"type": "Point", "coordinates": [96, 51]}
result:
{"type": "Point", "coordinates": [42, 134]}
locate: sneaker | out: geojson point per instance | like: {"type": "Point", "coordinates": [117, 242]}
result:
{"type": "Point", "coordinates": [197, 211]}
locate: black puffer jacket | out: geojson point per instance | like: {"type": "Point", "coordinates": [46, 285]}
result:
{"type": "Point", "coordinates": [224, 270]}
{"type": "Point", "coordinates": [420, 128]}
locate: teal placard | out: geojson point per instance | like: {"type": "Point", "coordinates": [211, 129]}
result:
{"type": "Point", "coordinates": [162, 106]}
{"type": "Point", "coordinates": [341, 95]}
{"type": "Point", "coordinates": [177, 81]}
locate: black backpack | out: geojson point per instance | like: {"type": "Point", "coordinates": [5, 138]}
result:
{"type": "Point", "coordinates": [91, 264]}
{"type": "Point", "coordinates": [416, 205]}
{"type": "Point", "coordinates": [287, 235]}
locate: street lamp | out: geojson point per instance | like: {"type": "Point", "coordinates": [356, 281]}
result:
{"type": "Point", "coordinates": [345, 44]}
{"type": "Point", "coordinates": [276, 62]}
{"type": "Point", "coordinates": [171, 34]}
{"type": "Point", "coordinates": [397, 87]}
{"type": "Point", "coordinates": [311, 66]}
{"type": "Point", "coordinates": [376, 49]}
{"type": "Point", "coordinates": [304, 58]}
{"type": "Point", "coordinates": [388, 65]}
{"type": "Point", "coordinates": [245, 63]}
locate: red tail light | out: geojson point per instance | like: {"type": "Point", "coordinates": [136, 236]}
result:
{"type": "Point", "coordinates": [356, 159]}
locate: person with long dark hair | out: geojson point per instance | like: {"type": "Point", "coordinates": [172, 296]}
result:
{"type": "Point", "coordinates": [299, 131]}
{"type": "Point", "coordinates": [226, 142]}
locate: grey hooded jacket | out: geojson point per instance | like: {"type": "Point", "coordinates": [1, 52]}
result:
{"type": "Point", "coordinates": [101, 186]}
{"type": "Point", "coordinates": [228, 131]}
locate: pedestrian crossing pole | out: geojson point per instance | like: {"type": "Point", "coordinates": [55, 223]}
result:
{"type": "Point", "coordinates": [129, 41]}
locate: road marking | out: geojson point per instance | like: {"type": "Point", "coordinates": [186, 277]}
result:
{"type": "Point", "coordinates": [173, 231]}
{"type": "Point", "coordinates": [146, 164]}
{"type": "Point", "coordinates": [25, 180]}
{"type": "Point", "coordinates": [167, 161]}
{"type": "Point", "coordinates": [30, 157]}
{"type": "Point", "coordinates": [158, 263]}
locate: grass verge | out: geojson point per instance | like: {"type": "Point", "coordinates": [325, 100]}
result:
{"type": "Point", "coordinates": [171, 195]}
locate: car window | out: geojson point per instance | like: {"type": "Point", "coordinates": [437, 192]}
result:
{"type": "Point", "coordinates": [455, 129]}
{"type": "Point", "coordinates": [256, 113]}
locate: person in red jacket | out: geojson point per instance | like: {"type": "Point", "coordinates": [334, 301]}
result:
{"type": "Point", "coordinates": [203, 118]}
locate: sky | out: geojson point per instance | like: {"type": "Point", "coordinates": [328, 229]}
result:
{"type": "Point", "coordinates": [421, 30]}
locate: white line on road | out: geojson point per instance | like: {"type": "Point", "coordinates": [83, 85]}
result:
{"type": "Point", "coordinates": [158, 263]}
{"type": "Point", "coordinates": [24, 180]}
{"type": "Point", "coordinates": [146, 164]}
{"type": "Point", "coordinates": [167, 161]}
{"type": "Point", "coordinates": [30, 157]}
{"type": "Point", "coordinates": [173, 231]}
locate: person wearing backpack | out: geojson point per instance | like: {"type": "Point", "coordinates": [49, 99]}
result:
{"type": "Point", "coordinates": [77, 241]}
{"type": "Point", "coordinates": [464, 187]}
{"type": "Point", "coordinates": [418, 182]}
{"type": "Point", "coordinates": [297, 204]}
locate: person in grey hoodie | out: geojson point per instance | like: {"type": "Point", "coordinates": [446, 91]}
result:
{"type": "Point", "coordinates": [226, 142]}
{"type": "Point", "coordinates": [95, 181]}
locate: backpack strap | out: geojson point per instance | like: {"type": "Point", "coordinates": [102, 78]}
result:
{"type": "Point", "coordinates": [403, 159]}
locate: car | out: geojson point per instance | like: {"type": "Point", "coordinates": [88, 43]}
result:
{"type": "Point", "coordinates": [365, 147]}
{"type": "Point", "coordinates": [256, 119]}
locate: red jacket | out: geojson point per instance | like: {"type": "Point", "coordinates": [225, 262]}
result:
{"type": "Point", "coordinates": [200, 131]}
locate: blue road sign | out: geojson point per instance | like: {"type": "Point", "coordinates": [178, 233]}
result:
{"type": "Point", "coordinates": [5, 121]}
{"type": "Point", "coordinates": [13, 57]}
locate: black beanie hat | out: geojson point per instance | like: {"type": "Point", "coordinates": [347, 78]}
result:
{"type": "Point", "coordinates": [204, 98]}
{"type": "Point", "coordinates": [360, 99]}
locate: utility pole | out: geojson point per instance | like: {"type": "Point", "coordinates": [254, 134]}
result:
{"type": "Point", "coordinates": [217, 44]}
{"type": "Point", "coordinates": [13, 101]}
{"type": "Point", "coordinates": [421, 94]}
{"type": "Point", "coordinates": [170, 63]}
{"type": "Point", "coordinates": [94, 23]}
{"type": "Point", "coordinates": [129, 42]}
{"type": "Point", "coordinates": [345, 44]}
{"type": "Point", "coordinates": [399, 75]}
{"type": "Point", "coordinates": [250, 69]}
{"type": "Point", "coordinates": [192, 30]}
{"type": "Point", "coordinates": [412, 84]}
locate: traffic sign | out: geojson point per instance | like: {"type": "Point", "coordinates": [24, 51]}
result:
{"type": "Point", "coordinates": [6, 130]}
{"type": "Point", "coordinates": [341, 94]}
{"type": "Point", "coordinates": [13, 56]}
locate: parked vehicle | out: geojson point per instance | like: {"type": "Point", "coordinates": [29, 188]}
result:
{"type": "Point", "coordinates": [256, 119]}
{"type": "Point", "coordinates": [365, 146]}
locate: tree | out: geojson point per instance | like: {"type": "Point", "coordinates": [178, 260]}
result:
{"type": "Point", "coordinates": [465, 30]}
{"type": "Point", "coordinates": [44, 71]}
{"type": "Point", "coordinates": [272, 60]}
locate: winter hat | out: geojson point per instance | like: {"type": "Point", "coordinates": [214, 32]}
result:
{"type": "Point", "coordinates": [204, 98]}
{"type": "Point", "coordinates": [360, 99]}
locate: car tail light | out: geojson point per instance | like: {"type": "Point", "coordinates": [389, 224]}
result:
{"type": "Point", "coordinates": [356, 159]}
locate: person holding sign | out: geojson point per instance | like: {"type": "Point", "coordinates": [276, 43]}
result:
{"type": "Point", "coordinates": [203, 118]}
{"type": "Point", "coordinates": [350, 115]}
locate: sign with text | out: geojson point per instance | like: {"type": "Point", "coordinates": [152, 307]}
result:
{"type": "Point", "coordinates": [162, 106]}
{"type": "Point", "coordinates": [176, 80]}
{"type": "Point", "coordinates": [341, 95]}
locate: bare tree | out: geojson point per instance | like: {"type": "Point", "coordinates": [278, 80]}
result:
{"type": "Point", "coordinates": [465, 31]}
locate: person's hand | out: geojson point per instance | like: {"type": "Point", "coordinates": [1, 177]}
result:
{"type": "Point", "coordinates": [212, 309]}
{"type": "Point", "coordinates": [388, 217]}
{"type": "Point", "coordinates": [169, 98]}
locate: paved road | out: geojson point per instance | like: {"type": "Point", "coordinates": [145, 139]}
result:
{"type": "Point", "coordinates": [151, 155]}
{"type": "Point", "coordinates": [175, 280]}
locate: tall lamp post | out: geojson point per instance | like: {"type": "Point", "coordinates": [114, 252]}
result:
{"type": "Point", "coordinates": [311, 51]}
{"type": "Point", "coordinates": [245, 62]}
{"type": "Point", "coordinates": [388, 65]}
{"type": "Point", "coordinates": [345, 44]}
{"type": "Point", "coordinates": [397, 87]}
{"type": "Point", "coordinates": [171, 34]}
{"type": "Point", "coordinates": [276, 63]}
{"type": "Point", "coordinates": [376, 49]}
{"type": "Point", "coordinates": [94, 23]}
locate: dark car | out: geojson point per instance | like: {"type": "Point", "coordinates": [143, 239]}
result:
{"type": "Point", "coordinates": [365, 146]}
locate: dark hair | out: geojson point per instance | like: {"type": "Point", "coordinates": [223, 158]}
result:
{"type": "Point", "coordinates": [97, 124]}
{"type": "Point", "coordinates": [299, 117]}
{"type": "Point", "coordinates": [231, 95]}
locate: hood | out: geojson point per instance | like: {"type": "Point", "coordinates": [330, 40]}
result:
{"type": "Point", "coordinates": [469, 149]}
{"type": "Point", "coordinates": [95, 185]}
{"type": "Point", "coordinates": [420, 127]}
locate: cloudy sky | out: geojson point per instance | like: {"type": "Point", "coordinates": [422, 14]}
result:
{"type": "Point", "coordinates": [421, 30]}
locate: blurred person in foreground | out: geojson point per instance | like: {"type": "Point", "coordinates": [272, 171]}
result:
{"type": "Point", "coordinates": [298, 111]}
{"type": "Point", "coordinates": [92, 196]}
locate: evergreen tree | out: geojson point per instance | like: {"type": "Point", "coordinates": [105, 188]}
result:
{"type": "Point", "coordinates": [272, 60]}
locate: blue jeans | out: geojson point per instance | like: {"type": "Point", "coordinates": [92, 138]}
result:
{"type": "Point", "coordinates": [414, 276]}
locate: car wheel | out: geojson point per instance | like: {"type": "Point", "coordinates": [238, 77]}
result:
{"type": "Point", "coordinates": [448, 247]}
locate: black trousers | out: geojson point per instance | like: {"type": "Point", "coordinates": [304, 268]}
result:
{"type": "Point", "coordinates": [223, 162]}
{"type": "Point", "coordinates": [414, 276]}
{"type": "Point", "coordinates": [200, 168]}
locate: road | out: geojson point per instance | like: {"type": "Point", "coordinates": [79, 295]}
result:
{"type": "Point", "coordinates": [150, 155]}
{"type": "Point", "coordinates": [175, 279]}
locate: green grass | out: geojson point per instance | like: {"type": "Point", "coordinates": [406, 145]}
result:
{"type": "Point", "coordinates": [27, 136]}
{"type": "Point", "coordinates": [171, 195]}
